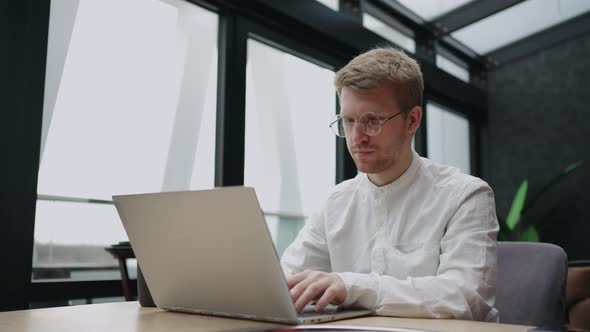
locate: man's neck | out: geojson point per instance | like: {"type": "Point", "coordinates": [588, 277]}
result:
{"type": "Point", "coordinates": [389, 176]}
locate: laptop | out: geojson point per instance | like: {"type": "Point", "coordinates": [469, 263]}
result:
{"type": "Point", "coordinates": [210, 252]}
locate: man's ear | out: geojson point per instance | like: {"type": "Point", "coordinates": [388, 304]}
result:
{"type": "Point", "coordinates": [414, 119]}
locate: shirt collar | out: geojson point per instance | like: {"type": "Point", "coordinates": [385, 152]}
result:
{"type": "Point", "coordinates": [396, 186]}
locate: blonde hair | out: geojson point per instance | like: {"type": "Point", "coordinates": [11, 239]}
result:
{"type": "Point", "coordinates": [370, 69]}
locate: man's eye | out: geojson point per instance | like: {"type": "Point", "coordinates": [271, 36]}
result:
{"type": "Point", "coordinates": [372, 121]}
{"type": "Point", "coordinates": [348, 120]}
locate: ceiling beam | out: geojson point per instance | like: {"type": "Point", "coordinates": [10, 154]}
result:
{"type": "Point", "coordinates": [341, 30]}
{"type": "Point", "coordinates": [424, 30]}
{"type": "Point", "coordinates": [552, 36]}
{"type": "Point", "coordinates": [469, 13]}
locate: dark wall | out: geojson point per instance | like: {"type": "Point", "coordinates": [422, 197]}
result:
{"type": "Point", "coordinates": [539, 122]}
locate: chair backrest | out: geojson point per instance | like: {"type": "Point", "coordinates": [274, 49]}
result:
{"type": "Point", "coordinates": [530, 288]}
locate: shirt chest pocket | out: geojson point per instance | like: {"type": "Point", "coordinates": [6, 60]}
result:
{"type": "Point", "coordinates": [411, 260]}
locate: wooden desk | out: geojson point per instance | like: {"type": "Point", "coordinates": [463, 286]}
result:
{"type": "Point", "coordinates": [130, 317]}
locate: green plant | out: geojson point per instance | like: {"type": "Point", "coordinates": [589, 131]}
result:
{"type": "Point", "coordinates": [512, 228]}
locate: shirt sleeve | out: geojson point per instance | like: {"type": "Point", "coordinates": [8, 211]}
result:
{"type": "Point", "coordinates": [309, 250]}
{"type": "Point", "coordinates": [464, 285]}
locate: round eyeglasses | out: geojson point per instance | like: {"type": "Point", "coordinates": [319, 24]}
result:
{"type": "Point", "coordinates": [370, 124]}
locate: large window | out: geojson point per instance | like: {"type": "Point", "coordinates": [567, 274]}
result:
{"type": "Point", "coordinates": [452, 67]}
{"type": "Point", "coordinates": [129, 107]}
{"type": "Point", "coordinates": [431, 9]}
{"type": "Point", "coordinates": [509, 25]}
{"type": "Point", "coordinates": [289, 148]}
{"type": "Point", "coordinates": [332, 4]}
{"type": "Point", "coordinates": [386, 31]}
{"type": "Point", "coordinates": [448, 137]}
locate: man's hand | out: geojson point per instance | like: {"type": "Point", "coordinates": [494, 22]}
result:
{"type": "Point", "coordinates": [324, 287]}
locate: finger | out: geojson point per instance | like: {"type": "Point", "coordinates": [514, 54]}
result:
{"type": "Point", "coordinates": [300, 288]}
{"type": "Point", "coordinates": [297, 278]}
{"type": "Point", "coordinates": [327, 298]}
{"type": "Point", "coordinates": [313, 291]}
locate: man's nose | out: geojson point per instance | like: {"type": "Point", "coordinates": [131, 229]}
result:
{"type": "Point", "coordinates": [358, 134]}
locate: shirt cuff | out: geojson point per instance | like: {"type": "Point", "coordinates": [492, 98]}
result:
{"type": "Point", "coordinates": [349, 279]}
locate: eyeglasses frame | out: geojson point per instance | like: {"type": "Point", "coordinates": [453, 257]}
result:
{"type": "Point", "coordinates": [381, 122]}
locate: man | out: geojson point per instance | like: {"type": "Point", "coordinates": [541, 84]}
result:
{"type": "Point", "coordinates": [406, 237]}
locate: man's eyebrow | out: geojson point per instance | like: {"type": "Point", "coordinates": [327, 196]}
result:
{"type": "Point", "coordinates": [380, 114]}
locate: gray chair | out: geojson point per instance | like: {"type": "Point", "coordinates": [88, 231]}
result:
{"type": "Point", "coordinates": [530, 289]}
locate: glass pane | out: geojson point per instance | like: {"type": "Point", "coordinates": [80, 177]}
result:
{"type": "Point", "coordinates": [431, 9]}
{"type": "Point", "coordinates": [128, 108]}
{"type": "Point", "coordinates": [448, 137]}
{"type": "Point", "coordinates": [333, 4]}
{"type": "Point", "coordinates": [508, 25]}
{"type": "Point", "coordinates": [70, 241]}
{"type": "Point", "coordinates": [290, 152]}
{"type": "Point", "coordinates": [389, 33]}
{"type": "Point", "coordinates": [283, 230]}
{"type": "Point", "coordinates": [452, 68]}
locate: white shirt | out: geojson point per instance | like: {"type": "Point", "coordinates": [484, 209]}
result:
{"type": "Point", "coordinates": [421, 246]}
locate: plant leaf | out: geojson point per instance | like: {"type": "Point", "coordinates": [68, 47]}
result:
{"type": "Point", "coordinates": [517, 204]}
{"type": "Point", "coordinates": [529, 234]}
{"type": "Point", "coordinates": [573, 166]}
{"type": "Point", "coordinates": [553, 182]}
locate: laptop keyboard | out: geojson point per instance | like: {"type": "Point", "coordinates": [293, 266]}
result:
{"type": "Point", "coordinates": [309, 311]}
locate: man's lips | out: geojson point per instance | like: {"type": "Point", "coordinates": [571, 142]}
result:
{"type": "Point", "coordinates": [362, 153]}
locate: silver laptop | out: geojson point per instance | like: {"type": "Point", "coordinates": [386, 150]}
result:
{"type": "Point", "coordinates": [210, 252]}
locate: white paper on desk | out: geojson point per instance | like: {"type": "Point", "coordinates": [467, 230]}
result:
{"type": "Point", "coordinates": [349, 328]}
